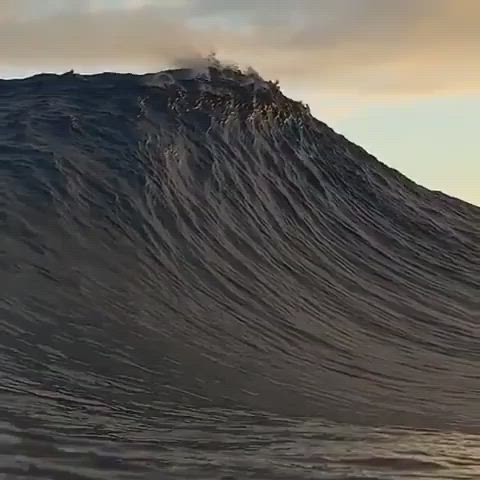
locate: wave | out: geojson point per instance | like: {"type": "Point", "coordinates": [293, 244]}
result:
{"type": "Point", "coordinates": [198, 239]}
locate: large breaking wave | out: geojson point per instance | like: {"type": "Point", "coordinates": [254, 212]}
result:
{"type": "Point", "coordinates": [201, 241]}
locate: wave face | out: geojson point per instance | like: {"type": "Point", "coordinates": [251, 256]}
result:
{"type": "Point", "coordinates": [201, 279]}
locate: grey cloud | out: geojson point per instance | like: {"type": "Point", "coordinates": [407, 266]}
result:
{"type": "Point", "coordinates": [354, 46]}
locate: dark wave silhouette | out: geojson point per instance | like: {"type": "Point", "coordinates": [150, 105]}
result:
{"type": "Point", "coordinates": [183, 248]}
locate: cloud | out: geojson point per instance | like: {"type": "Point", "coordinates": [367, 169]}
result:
{"type": "Point", "coordinates": [359, 47]}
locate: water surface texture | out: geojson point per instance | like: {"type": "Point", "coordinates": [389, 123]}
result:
{"type": "Point", "coordinates": [201, 280]}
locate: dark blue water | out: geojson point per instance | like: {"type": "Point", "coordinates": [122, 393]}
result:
{"type": "Point", "coordinates": [200, 280]}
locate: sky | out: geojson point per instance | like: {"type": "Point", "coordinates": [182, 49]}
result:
{"type": "Point", "coordinates": [399, 77]}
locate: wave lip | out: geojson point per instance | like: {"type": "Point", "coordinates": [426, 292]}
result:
{"type": "Point", "coordinates": [198, 238]}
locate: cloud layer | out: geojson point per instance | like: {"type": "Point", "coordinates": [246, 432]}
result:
{"type": "Point", "coordinates": [381, 47]}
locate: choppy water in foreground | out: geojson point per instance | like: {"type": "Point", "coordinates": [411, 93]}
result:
{"type": "Point", "coordinates": [94, 442]}
{"type": "Point", "coordinates": [167, 441]}
{"type": "Point", "coordinates": [200, 280]}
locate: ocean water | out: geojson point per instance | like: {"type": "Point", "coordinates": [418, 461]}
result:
{"type": "Point", "coordinates": [201, 280]}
